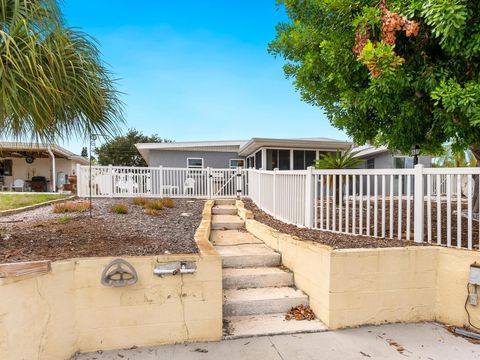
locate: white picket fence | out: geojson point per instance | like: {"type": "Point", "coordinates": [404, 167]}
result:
{"type": "Point", "coordinates": [434, 205]}
{"type": "Point", "coordinates": [118, 181]}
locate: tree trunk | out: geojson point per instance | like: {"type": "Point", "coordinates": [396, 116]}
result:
{"type": "Point", "coordinates": [476, 187]}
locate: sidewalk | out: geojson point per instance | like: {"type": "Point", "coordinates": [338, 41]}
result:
{"type": "Point", "coordinates": [398, 341]}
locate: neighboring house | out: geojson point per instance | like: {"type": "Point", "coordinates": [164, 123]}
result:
{"type": "Point", "coordinates": [382, 158]}
{"type": "Point", "coordinates": [34, 167]}
{"type": "Point", "coordinates": [258, 153]}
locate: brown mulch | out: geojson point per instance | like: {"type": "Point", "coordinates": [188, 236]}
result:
{"type": "Point", "coordinates": [42, 235]}
{"type": "Point", "coordinates": [335, 240]}
{"type": "Point", "coordinates": [300, 312]}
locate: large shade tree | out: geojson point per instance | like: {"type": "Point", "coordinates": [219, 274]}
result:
{"type": "Point", "coordinates": [399, 73]}
{"type": "Point", "coordinates": [53, 83]}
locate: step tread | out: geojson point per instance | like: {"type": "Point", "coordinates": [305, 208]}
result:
{"type": "Point", "coordinates": [227, 219]}
{"type": "Point", "coordinates": [270, 324]}
{"type": "Point", "coordinates": [225, 201]}
{"type": "Point", "coordinates": [261, 294]}
{"type": "Point", "coordinates": [232, 237]}
{"type": "Point", "coordinates": [245, 250]}
{"type": "Point", "coordinates": [258, 271]}
{"type": "Point", "coordinates": [256, 277]}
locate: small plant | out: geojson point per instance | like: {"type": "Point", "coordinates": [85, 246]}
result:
{"type": "Point", "coordinates": [150, 211]}
{"type": "Point", "coordinates": [140, 201]}
{"type": "Point", "coordinates": [119, 208]}
{"type": "Point", "coordinates": [71, 206]}
{"type": "Point", "coordinates": [168, 202]}
{"type": "Point", "coordinates": [154, 204]}
{"type": "Point", "coordinates": [64, 219]}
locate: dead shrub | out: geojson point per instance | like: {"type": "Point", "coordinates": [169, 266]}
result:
{"type": "Point", "coordinates": [140, 201]}
{"type": "Point", "coordinates": [168, 202]}
{"type": "Point", "coordinates": [71, 206]}
{"type": "Point", "coordinates": [119, 208]}
{"type": "Point", "coordinates": [154, 204]}
{"type": "Point", "coordinates": [150, 211]}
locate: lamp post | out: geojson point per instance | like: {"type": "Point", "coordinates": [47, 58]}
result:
{"type": "Point", "coordinates": [415, 153]}
{"type": "Point", "coordinates": [93, 137]}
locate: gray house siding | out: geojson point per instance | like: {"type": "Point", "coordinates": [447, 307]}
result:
{"type": "Point", "coordinates": [172, 158]}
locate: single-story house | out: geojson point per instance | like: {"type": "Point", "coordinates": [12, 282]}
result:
{"type": "Point", "coordinates": [266, 154]}
{"type": "Point", "coordinates": [36, 167]}
{"type": "Point", "coordinates": [258, 153]}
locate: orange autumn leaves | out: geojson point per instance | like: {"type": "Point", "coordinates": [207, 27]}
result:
{"type": "Point", "coordinates": [391, 24]}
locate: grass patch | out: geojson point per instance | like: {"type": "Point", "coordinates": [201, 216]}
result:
{"type": "Point", "coordinates": [140, 201]}
{"type": "Point", "coordinates": [168, 202]}
{"type": "Point", "coordinates": [119, 208]}
{"type": "Point", "coordinates": [64, 219]}
{"type": "Point", "coordinates": [14, 201]}
{"type": "Point", "coordinates": [154, 205]}
{"type": "Point", "coordinates": [71, 206]}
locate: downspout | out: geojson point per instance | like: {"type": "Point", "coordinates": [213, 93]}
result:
{"type": "Point", "coordinates": [54, 177]}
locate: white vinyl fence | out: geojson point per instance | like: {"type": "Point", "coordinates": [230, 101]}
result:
{"type": "Point", "coordinates": [434, 205]}
{"type": "Point", "coordinates": [118, 181]}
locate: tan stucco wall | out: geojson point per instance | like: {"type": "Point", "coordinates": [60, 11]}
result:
{"type": "Point", "coordinates": [355, 287]}
{"type": "Point", "coordinates": [68, 310]}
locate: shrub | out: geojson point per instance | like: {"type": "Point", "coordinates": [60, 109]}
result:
{"type": "Point", "coordinates": [119, 208]}
{"type": "Point", "coordinates": [64, 219]}
{"type": "Point", "coordinates": [150, 211]}
{"type": "Point", "coordinates": [154, 204]}
{"type": "Point", "coordinates": [71, 206]}
{"type": "Point", "coordinates": [140, 201]}
{"type": "Point", "coordinates": [168, 202]}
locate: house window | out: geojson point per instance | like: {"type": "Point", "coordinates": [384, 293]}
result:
{"type": "Point", "coordinates": [371, 163]}
{"type": "Point", "coordinates": [234, 163]}
{"type": "Point", "coordinates": [401, 162]}
{"type": "Point", "coordinates": [302, 159]}
{"type": "Point", "coordinates": [5, 167]}
{"type": "Point", "coordinates": [278, 159]}
{"type": "Point", "coordinates": [250, 162]}
{"type": "Point", "coordinates": [195, 163]}
{"type": "Point", "coordinates": [258, 159]}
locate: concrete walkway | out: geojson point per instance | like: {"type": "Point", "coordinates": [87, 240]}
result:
{"type": "Point", "coordinates": [399, 341]}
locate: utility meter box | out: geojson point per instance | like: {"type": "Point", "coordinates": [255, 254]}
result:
{"type": "Point", "coordinates": [474, 277]}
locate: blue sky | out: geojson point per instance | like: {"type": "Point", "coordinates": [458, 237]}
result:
{"type": "Point", "coordinates": [198, 70]}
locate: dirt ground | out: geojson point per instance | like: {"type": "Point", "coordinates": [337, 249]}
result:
{"type": "Point", "coordinates": [41, 234]}
{"type": "Point", "coordinates": [335, 240]}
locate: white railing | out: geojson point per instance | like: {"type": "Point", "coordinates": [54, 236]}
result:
{"type": "Point", "coordinates": [118, 181]}
{"type": "Point", "coordinates": [434, 205]}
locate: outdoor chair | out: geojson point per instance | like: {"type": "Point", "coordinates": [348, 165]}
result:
{"type": "Point", "coordinates": [18, 184]}
{"type": "Point", "coordinates": [189, 184]}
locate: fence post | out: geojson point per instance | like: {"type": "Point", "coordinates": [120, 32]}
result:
{"type": "Point", "coordinates": [275, 192]}
{"type": "Point", "coordinates": [309, 201]}
{"type": "Point", "coordinates": [111, 182]}
{"type": "Point", "coordinates": [418, 204]}
{"type": "Point", "coordinates": [160, 180]}
{"type": "Point", "coordinates": [79, 181]}
{"type": "Point", "coordinates": [239, 183]}
{"type": "Point", "coordinates": [209, 183]}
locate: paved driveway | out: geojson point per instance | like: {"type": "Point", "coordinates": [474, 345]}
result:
{"type": "Point", "coordinates": [399, 341]}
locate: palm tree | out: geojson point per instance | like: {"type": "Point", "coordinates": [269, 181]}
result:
{"type": "Point", "coordinates": [340, 160]}
{"type": "Point", "coordinates": [53, 83]}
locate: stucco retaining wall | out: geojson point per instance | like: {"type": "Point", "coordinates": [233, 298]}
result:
{"type": "Point", "coordinates": [354, 287]}
{"type": "Point", "coordinates": [67, 310]}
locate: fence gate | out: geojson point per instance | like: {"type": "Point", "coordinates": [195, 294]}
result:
{"type": "Point", "coordinates": [225, 183]}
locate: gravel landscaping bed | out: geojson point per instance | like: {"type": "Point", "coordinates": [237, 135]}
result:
{"type": "Point", "coordinates": [335, 240]}
{"type": "Point", "coordinates": [41, 234]}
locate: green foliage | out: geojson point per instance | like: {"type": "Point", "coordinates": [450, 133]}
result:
{"type": "Point", "coordinates": [427, 89]}
{"type": "Point", "coordinates": [84, 152]}
{"type": "Point", "coordinates": [121, 150]}
{"type": "Point", "coordinates": [339, 160]}
{"type": "Point", "coordinates": [119, 208]}
{"type": "Point", "coordinates": [64, 219]}
{"type": "Point", "coordinates": [53, 83]}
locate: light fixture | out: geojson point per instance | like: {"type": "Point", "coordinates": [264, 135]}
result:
{"type": "Point", "coordinates": [415, 152]}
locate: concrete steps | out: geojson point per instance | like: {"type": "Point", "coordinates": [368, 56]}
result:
{"type": "Point", "coordinates": [257, 292]}
{"type": "Point", "coordinates": [256, 278]}
{"type": "Point", "coordinates": [270, 300]}
{"type": "Point", "coordinates": [224, 210]}
{"type": "Point", "coordinates": [270, 324]}
{"type": "Point", "coordinates": [227, 222]}
{"type": "Point", "coordinates": [250, 255]}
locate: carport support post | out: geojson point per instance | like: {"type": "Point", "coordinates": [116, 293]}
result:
{"type": "Point", "coordinates": [418, 204]}
{"type": "Point", "coordinates": [309, 200]}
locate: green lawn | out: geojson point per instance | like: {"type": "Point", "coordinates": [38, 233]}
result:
{"type": "Point", "coordinates": [14, 201]}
